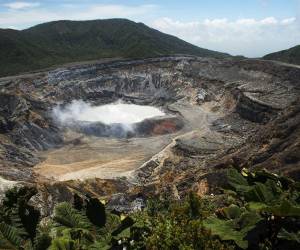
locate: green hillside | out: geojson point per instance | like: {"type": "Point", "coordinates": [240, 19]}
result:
{"type": "Point", "coordinates": [60, 42]}
{"type": "Point", "coordinates": [291, 55]}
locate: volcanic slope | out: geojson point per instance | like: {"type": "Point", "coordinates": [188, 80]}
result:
{"type": "Point", "coordinates": [59, 42]}
{"type": "Point", "coordinates": [291, 55]}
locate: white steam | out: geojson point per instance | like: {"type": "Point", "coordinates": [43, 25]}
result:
{"type": "Point", "coordinates": [108, 114]}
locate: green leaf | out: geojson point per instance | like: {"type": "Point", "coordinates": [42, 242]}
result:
{"type": "Point", "coordinates": [231, 212]}
{"type": "Point", "coordinates": [257, 206]}
{"type": "Point", "coordinates": [260, 192]}
{"type": "Point", "coordinates": [66, 215]}
{"type": "Point", "coordinates": [225, 230]}
{"type": "Point", "coordinates": [124, 234]}
{"type": "Point", "coordinates": [42, 241]}
{"type": "Point", "coordinates": [11, 235]}
{"type": "Point", "coordinates": [237, 181]}
{"type": "Point", "coordinates": [100, 245]}
{"type": "Point", "coordinates": [248, 220]}
{"type": "Point", "coordinates": [264, 175]}
{"type": "Point", "coordinates": [285, 208]}
{"type": "Point", "coordinates": [112, 222]}
{"type": "Point", "coordinates": [125, 224]}
{"type": "Point", "coordinates": [283, 234]}
{"type": "Point", "coordinates": [235, 229]}
{"type": "Point", "coordinates": [62, 244]}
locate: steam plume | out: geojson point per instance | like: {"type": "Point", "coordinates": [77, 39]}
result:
{"type": "Point", "coordinates": [117, 112]}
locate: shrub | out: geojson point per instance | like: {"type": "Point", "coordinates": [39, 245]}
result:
{"type": "Point", "coordinates": [261, 211]}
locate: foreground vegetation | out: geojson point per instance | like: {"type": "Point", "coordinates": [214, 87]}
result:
{"type": "Point", "coordinates": [254, 210]}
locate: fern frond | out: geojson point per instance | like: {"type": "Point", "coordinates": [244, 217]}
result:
{"type": "Point", "coordinates": [103, 245]}
{"type": "Point", "coordinates": [112, 223]}
{"type": "Point", "coordinates": [62, 244]}
{"type": "Point", "coordinates": [42, 241]}
{"type": "Point", "coordinates": [17, 222]}
{"type": "Point", "coordinates": [11, 234]}
{"type": "Point", "coordinates": [65, 215]}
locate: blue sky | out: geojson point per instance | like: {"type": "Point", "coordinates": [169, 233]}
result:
{"type": "Point", "coordinates": [240, 27]}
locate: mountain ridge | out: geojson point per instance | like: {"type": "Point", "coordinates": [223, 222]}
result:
{"type": "Point", "coordinates": [291, 55]}
{"type": "Point", "coordinates": [65, 41]}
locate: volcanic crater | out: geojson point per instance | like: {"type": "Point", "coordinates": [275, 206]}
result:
{"type": "Point", "coordinates": [208, 114]}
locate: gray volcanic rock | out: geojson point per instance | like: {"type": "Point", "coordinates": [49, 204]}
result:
{"type": "Point", "coordinates": [147, 127]}
{"type": "Point", "coordinates": [6, 185]}
{"type": "Point", "coordinates": [26, 129]}
{"type": "Point", "coordinates": [225, 110]}
{"type": "Point", "coordinates": [254, 110]}
{"type": "Point", "coordinates": [25, 122]}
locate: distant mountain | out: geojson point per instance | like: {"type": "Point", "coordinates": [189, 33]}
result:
{"type": "Point", "coordinates": [60, 42]}
{"type": "Point", "coordinates": [291, 55]}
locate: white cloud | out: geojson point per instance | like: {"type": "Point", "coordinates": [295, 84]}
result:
{"type": "Point", "coordinates": [288, 20]}
{"type": "Point", "coordinates": [21, 5]}
{"type": "Point", "coordinates": [247, 36]}
{"type": "Point", "coordinates": [268, 21]}
{"type": "Point", "coordinates": [106, 11]}
{"type": "Point", "coordinates": [23, 18]}
{"type": "Point", "coordinates": [250, 37]}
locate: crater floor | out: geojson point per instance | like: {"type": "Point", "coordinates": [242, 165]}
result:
{"type": "Point", "coordinates": [83, 157]}
{"type": "Point", "coordinates": [223, 112]}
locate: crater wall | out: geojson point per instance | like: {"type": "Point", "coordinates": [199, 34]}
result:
{"type": "Point", "coordinates": [223, 103]}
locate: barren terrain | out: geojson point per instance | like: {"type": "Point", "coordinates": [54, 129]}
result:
{"type": "Point", "coordinates": [241, 113]}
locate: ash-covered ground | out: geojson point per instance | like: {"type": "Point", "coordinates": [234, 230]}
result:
{"type": "Point", "coordinates": [218, 112]}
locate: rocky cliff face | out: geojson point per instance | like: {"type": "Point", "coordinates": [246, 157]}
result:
{"type": "Point", "coordinates": [242, 113]}
{"type": "Point", "coordinates": [25, 129]}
